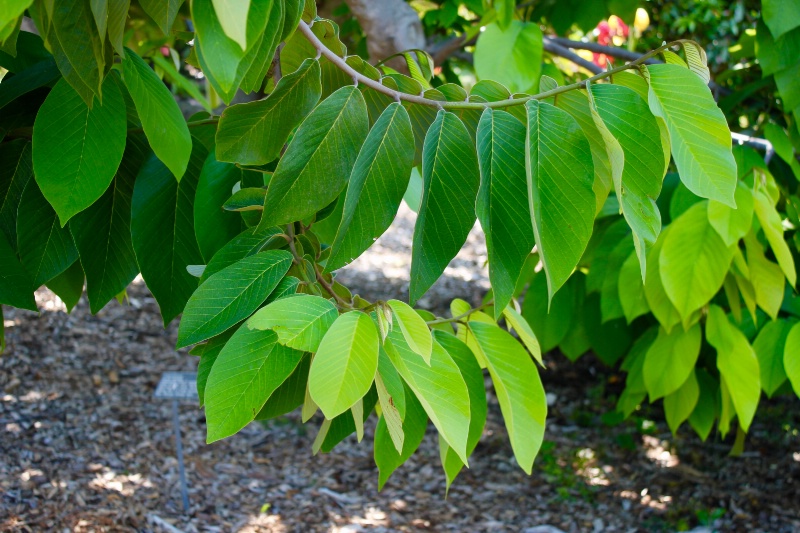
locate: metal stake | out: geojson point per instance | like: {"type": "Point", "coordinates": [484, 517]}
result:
{"type": "Point", "coordinates": [179, 449]}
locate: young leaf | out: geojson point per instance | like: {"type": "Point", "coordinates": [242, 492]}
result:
{"type": "Point", "coordinates": [162, 121]}
{"type": "Point", "coordinates": [769, 346]}
{"type": "Point", "coordinates": [679, 405]}
{"type": "Point", "coordinates": [519, 391]}
{"type": "Point", "coordinates": [447, 213]}
{"type": "Point", "coordinates": [246, 372]}
{"type": "Point", "coordinates": [387, 457]}
{"type": "Point", "coordinates": [300, 321]}
{"type": "Point", "coordinates": [254, 133]}
{"type": "Point", "coordinates": [669, 360]}
{"type": "Point", "coordinates": [390, 415]}
{"type": "Point", "coordinates": [16, 168]}
{"type": "Point", "coordinates": [414, 329]}
{"type": "Point", "coordinates": [791, 357]}
{"type": "Point", "coordinates": [16, 288]}
{"type": "Point", "coordinates": [524, 331]}
{"type": "Point", "coordinates": [560, 196]}
{"type": "Point", "coordinates": [770, 222]}
{"type": "Point", "coordinates": [766, 277]}
{"type": "Point", "coordinates": [162, 231]}
{"type": "Point", "coordinates": [345, 364]}
{"type": "Point", "coordinates": [231, 295]}
{"type": "Point", "coordinates": [737, 364]}
{"type": "Point", "coordinates": [315, 167]}
{"type": "Point", "coordinates": [501, 206]}
{"type": "Point", "coordinates": [77, 149]}
{"type": "Point", "coordinates": [698, 131]}
{"type": "Point", "coordinates": [376, 186]}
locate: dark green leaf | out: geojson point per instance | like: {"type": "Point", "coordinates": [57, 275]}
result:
{"type": "Point", "coordinates": [247, 243]}
{"type": "Point", "coordinates": [213, 226]}
{"type": "Point", "coordinates": [16, 169]}
{"type": "Point", "coordinates": [387, 458]}
{"type": "Point", "coordinates": [68, 285]}
{"type": "Point", "coordinates": [16, 288]}
{"type": "Point", "coordinates": [163, 12]}
{"type": "Point", "coordinates": [74, 28]}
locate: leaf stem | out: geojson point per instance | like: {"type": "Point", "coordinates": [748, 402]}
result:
{"type": "Point", "coordinates": [461, 317]}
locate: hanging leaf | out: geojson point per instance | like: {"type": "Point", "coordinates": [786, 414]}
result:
{"type": "Point", "coordinates": [771, 223]}
{"type": "Point", "coordinates": [387, 457]}
{"type": "Point", "coordinates": [213, 226]}
{"type": "Point", "coordinates": [669, 361]}
{"type": "Point", "coordinates": [524, 331]}
{"type": "Point", "coordinates": [511, 56]}
{"type": "Point", "coordinates": [232, 16]}
{"type": "Point", "coordinates": [791, 357]}
{"type": "Point", "coordinates": [679, 405]}
{"type": "Point", "coordinates": [16, 168]}
{"type": "Point", "coordinates": [769, 346]}
{"type": "Point", "coordinates": [16, 287]}
{"type": "Point", "coordinates": [163, 12]}
{"type": "Point", "coordinates": [300, 321]}
{"type": "Point", "coordinates": [68, 285]}
{"type": "Point", "coordinates": [733, 224]}
{"type": "Point", "coordinates": [705, 412]}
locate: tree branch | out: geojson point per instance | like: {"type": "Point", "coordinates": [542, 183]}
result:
{"type": "Point", "coordinates": [550, 45]}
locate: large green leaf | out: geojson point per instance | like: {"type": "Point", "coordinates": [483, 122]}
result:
{"type": "Point", "coordinates": [732, 224]}
{"type": "Point", "coordinates": [772, 225]}
{"type": "Point", "coordinates": [511, 56]}
{"type": "Point", "coordinates": [447, 212]}
{"type": "Point", "coordinates": [376, 186]}
{"type": "Point", "coordinates": [669, 360]}
{"type": "Point", "coordinates": [737, 364]}
{"type": "Point", "coordinates": [694, 261]}
{"type": "Point", "coordinates": [300, 321]}
{"type": "Point", "coordinates": [232, 15]}
{"type": "Point", "coordinates": [501, 206]}
{"type": "Point", "coordinates": [679, 405]}
{"type": "Point", "coordinates": [16, 287]}
{"type": "Point", "coordinates": [769, 347]}
{"type": "Point", "coordinates": [45, 248]}
{"type": "Point", "coordinates": [791, 357]}
{"type": "Point", "coordinates": [102, 234]}
{"type": "Point", "coordinates": [163, 12]}
{"type": "Point", "coordinates": [387, 458]}
{"type": "Point", "coordinates": [781, 16]}
{"type": "Point", "coordinates": [16, 168]}
{"type": "Point", "coordinates": [637, 160]}
{"type": "Point", "coordinates": [315, 167]}
{"type": "Point", "coordinates": [231, 295]}
{"type": "Point", "coordinates": [248, 242]}
{"type": "Point", "coordinates": [698, 131]}
{"type": "Point", "coordinates": [77, 150]}
{"type": "Point", "coordinates": [440, 388]}
{"type": "Point", "coordinates": [162, 121]}
{"type": "Point", "coordinates": [560, 196]}
{"type": "Point", "coordinates": [550, 320]}
{"type": "Point", "coordinates": [162, 231]}
{"type": "Point", "coordinates": [345, 364]}
{"type": "Point", "coordinates": [246, 372]}
{"type": "Point", "coordinates": [11, 9]}
{"type": "Point", "coordinates": [213, 226]}
{"type": "Point", "coordinates": [519, 390]}
{"type": "Point", "coordinates": [413, 327]}
{"type": "Point", "coordinates": [254, 133]}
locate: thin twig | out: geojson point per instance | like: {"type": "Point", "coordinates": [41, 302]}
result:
{"type": "Point", "coordinates": [556, 49]}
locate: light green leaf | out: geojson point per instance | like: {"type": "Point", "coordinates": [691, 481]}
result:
{"type": "Point", "coordinates": [781, 16]}
{"type": "Point", "coordinates": [387, 457]}
{"type": "Point", "coordinates": [447, 213]}
{"type": "Point", "coordinates": [77, 150]}
{"type": "Point", "coordinates": [512, 56]}
{"type": "Point", "coordinates": [705, 412]}
{"type": "Point", "coordinates": [519, 390]}
{"type": "Point", "coordinates": [162, 231]}
{"type": "Point", "coordinates": [208, 352]}
{"type": "Point", "coordinates": [231, 295]}
{"type": "Point", "coordinates": [501, 206]}
{"type": "Point", "coordinates": [315, 167]}
{"type": "Point", "coordinates": [669, 360]}
{"type": "Point", "coordinates": [162, 121]}
{"type": "Point", "coordinates": [16, 288]}
{"type": "Point", "coordinates": [766, 277]}
{"type": "Point", "coordinates": [657, 299]}
{"type": "Point", "coordinates": [390, 415]}
{"type": "Point", "coordinates": [791, 357]}
{"type": "Point", "coordinates": [769, 346]}
{"type": "Point", "coordinates": [737, 364]}
{"type": "Point", "coordinates": [345, 364]}
{"type": "Point", "coordinates": [16, 169]}
{"type": "Point", "coordinates": [521, 327]}
{"type": "Point", "coordinates": [163, 12]}
{"type": "Point", "coordinates": [440, 388]}
{"type": "Point", "coordinates": [698, 131]}
{"type": "Point", "coordinates": [732, 224]}
{"type": "Point", "coordinates": [232, 15]}
{"type": "Point", "coordinates": [254, 133]}
{"type": "Point", "coordinates": [679, 405]}
{"type": "Point", "coordinates": [377, 183]}
{"type": "Point", "coordinates": [694, 261]}
{"type": "Point", "coordinates": [258, 60]}
{"type": "Point", "coordinates": [632, 295]}
{"type": "Point", "coordinates": [773, 229]}
{"type": "Point", "coordinates": [246, 372]}
{"type": "Point", "coordinates": [414, 329]}
{"type": "Point", "coordinates": [11, 9]}
{"type": "Point", "coordinates": [300, 321]}
{"type": "Point", "coordinates": [213, 226]}
{"type": "Point", "coordinates": [560, 196]}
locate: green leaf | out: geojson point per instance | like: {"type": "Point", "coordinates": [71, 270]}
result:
{"type": "Point", "coordinates": [68, 285]}
{"type": "Point", "coordinates": [447, 212]}
{"type": "Point", "coordinates": [694, 261]}
{"type": "Point", "coordinates": [512, 56]}
{"type": "Point", "coordinates": [781, 16]}
{"type": "Point", "coordinates": [521, 327]}
{"type": "Point", "coordinates": [769, 346]}
{"type": "Point", "coordinates": [41, 74]}
{"type": "Point", "coordinates": [294, 10]}
{"type": "Point", "coordinates": [16, 288]}
{"type": "Point", "coordinates": [208, 352]}
{"type": "Point", "coordinates": [473, 377]}
{"type": "Point", "coordinates": [231, 295]}
{"type": "Point", "coordinates": [501, 206]}
{"type": "Point", "coordinates": [162, 121]}
{"type": "Point", "coordinates": [300, 321]}
{"type": "Point", "coordinates": [213, 226]}
{"type": "Point", "coordinates": [387, 457]}
{"type": "Point", "coordinates": [254, 133]}
{"type": "Point", "coordinates": [315, 167]}
{"type": "Point", "coordinates": [637, 160]}
{"type": "Point", "coordinates": [11, 9]}
{"type": "Point", "coordinates": [77, 150]}
{"type": "Point", "coordinates": [102, 234]}
{"type": "Point", "coordinates": [440, 388]}
{"type": "Point", "coordinates": [117, 17]}
{"type": "Point", "coordinates": [766, 277]}
{"type": "Point", "coordinates": [232, 15]}
{"type": "Point", "coordinates": [635, 390]}
{"type": "Point", "coordinates": [290, 395]}
{"type": "Point", "coordinates": [247, 371]}
{"type": "Point", "coordinates": [163, 12]}
{"type": "Point", "coordinates": [698, 131]}
{"type": "Point", "coordinates": [343, 425]}
{"type": "Point", "coordinates": [82, 47]}
{"type": "Point", "coordinates": [679, 405]}
{"type": "Point", "coordinates": [732, 224]}
{"type": "Point", "coordinates": [390, 414]}
{"type": "Point", "coordinates": [658, 301]}
{"type": "Point", "coordinates": [258, 60]}
{"type": "Point", "coordinates": [791, 357]}
{"type": "Point", "coordinates": [550, 320]}
{"type": "Point", "coordinates": [414, 329]}
{"type": "Point", "coordinates": [345, 364]}
{"type": "Point", "coordinates": [771, 223]}
{"type": "Point", "coordinates": [632, 296]}
{"type": "Point", "coordinates": [519, 390]}
{"type": "Point", "coordinates": [705, 412]}
{"type": "Point", "coordinates": [560, 196]}
{"type": "Point", "coordinates": [100, 13]}
{"type": "Point", "coordinates": [670, 360]}
{"type": "Point", "coordinates": [247, 199]}
{"type": "Point", "coordinates": [45, 248]}
{"type": "Point", "coordinates": [16, 169]}
{"type": "Point", "coordinates": [247, 243]}
{"type": "Point", "coordinates": [737, 364]}
{"type": "Point", "coordinates": [162, 231]}
{"type": "Point", "coordinates": [377, 183]}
